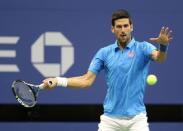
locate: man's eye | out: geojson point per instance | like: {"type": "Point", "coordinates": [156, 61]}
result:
{"type": "Point", "coordinates": [126, 25]}
{"type": "Point", "coordinates": [118, 26]}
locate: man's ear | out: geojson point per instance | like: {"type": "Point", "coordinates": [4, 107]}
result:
{"type": "Point", "coordinates": [112, 29]}
{"type": "Point", "coordinates": [131, 27]}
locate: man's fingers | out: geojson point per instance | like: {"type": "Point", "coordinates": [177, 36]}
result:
{"type": "Point", "coordinates": [49, 83]}
{"type": "Point", "coordinates": [164, 37]}
{"type": "Point", "coordinates": [169, 34]}
{"type": "Point", "coordinates": [153, 39]}
{"type": "Point", "coordinates": [170, 39]}
{"type": "Point", "coordinates": [162, 31]}
{"type": "Point", "coordinates": [166, 30]}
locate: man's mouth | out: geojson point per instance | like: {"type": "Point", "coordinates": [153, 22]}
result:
{"type": "Point", "coordinates": [122, 35]}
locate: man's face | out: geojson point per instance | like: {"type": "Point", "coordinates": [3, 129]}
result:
{"type": "Point", "coordinates": [122, 30]}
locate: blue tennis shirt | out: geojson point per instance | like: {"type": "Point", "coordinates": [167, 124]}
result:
{"type": "Point", "coordinates": [125, 73]}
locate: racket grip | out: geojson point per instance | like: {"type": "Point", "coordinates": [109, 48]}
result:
{"type": "Point", "coordinates": [41, 86]}
{"type": "Point", "coordinates": [50, 83]}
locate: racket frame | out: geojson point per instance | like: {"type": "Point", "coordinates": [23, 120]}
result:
{"type": "Point", "coordinates": [29, 86]}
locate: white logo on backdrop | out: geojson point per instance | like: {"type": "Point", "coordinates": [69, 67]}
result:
{"type": "Point", "coordinates": [7, 53]}
{"type": "Point", "coordinates": [66, 54]}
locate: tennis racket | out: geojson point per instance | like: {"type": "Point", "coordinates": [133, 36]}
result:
{"type": "Point", "coordinates": [26, 93]}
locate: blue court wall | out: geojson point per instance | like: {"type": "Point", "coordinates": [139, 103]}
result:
{"type": "Point", "coordinates": [86, 27]}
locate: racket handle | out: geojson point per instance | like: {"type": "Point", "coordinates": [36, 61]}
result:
{"type": "Point", "coordinates": [50, 83]}
{"type": "Point", "coordinates": [41, 86]}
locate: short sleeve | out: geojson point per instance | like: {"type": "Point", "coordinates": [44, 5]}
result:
{"type": "Point", "coordinates": [97, 63]}
{"type": "Point", "coordinates": [148, 48]}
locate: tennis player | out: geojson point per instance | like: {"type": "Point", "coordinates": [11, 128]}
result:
{"type": "Point", "coordinates": [126, 63]}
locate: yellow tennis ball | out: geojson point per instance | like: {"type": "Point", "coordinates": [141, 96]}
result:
{"type": "Point", "coordinates": [151, 80]}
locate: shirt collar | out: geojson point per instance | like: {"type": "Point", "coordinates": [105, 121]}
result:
{"type": "Point", "coordinates": [129, 45]}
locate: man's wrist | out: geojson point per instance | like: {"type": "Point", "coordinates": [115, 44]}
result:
{"type": "Point", "coordinates": [62, 81]}
{"type": "Point", "coordinates": [163, 48]}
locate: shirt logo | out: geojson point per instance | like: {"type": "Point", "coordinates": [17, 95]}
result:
{"type": "Point", "coordinates": [131, 54]}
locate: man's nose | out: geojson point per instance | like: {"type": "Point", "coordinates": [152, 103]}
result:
{"type": "Point", "coordinates": [122, 29]}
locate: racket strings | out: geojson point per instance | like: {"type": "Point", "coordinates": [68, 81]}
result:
{"type": "Point", "coordinates": [25, 93]}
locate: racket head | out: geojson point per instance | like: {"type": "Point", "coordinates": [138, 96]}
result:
{"type": "Point", "coordinates": [26, 94]}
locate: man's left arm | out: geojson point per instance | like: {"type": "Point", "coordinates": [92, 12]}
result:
{"type": "Point", "coordinates": [164, 38]}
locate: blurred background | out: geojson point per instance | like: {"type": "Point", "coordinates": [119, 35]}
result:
{"type": "Point", "coordinates": [38, 35]}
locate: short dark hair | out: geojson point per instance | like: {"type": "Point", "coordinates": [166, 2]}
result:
{"type": "Point", "coordinates": [121, 13]}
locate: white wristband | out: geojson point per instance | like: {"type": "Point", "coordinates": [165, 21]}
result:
{"type": "Point", "coordinates": [62, 81]}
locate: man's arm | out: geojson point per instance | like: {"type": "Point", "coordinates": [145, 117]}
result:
{"type": "Point", "coordinates": [158, 56]}
{"type": "Point", "coordinates": [164, 38]}
{"type": "Point", "coordinates": [83, 81]}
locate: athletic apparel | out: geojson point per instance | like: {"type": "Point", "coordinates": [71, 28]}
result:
{"type": "Point", "coordinates": [125, 72]}
{"type": "Point", "coordinates": [136, 123]}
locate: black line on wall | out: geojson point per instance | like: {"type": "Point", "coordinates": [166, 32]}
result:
{"type": "Point", "coordinates": [80, 113]}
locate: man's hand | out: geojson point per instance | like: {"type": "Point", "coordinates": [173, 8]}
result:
{"type": "Point", "coordinates": [164, 38]}
{"type": "Point", "coordinates": [50, 83]}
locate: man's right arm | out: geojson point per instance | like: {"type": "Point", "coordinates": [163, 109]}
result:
{"type": "Point", "coordinates": [83, 81]}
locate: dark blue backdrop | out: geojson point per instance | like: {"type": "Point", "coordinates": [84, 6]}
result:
{"type": "Point", "coordinates": [87, 26]}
